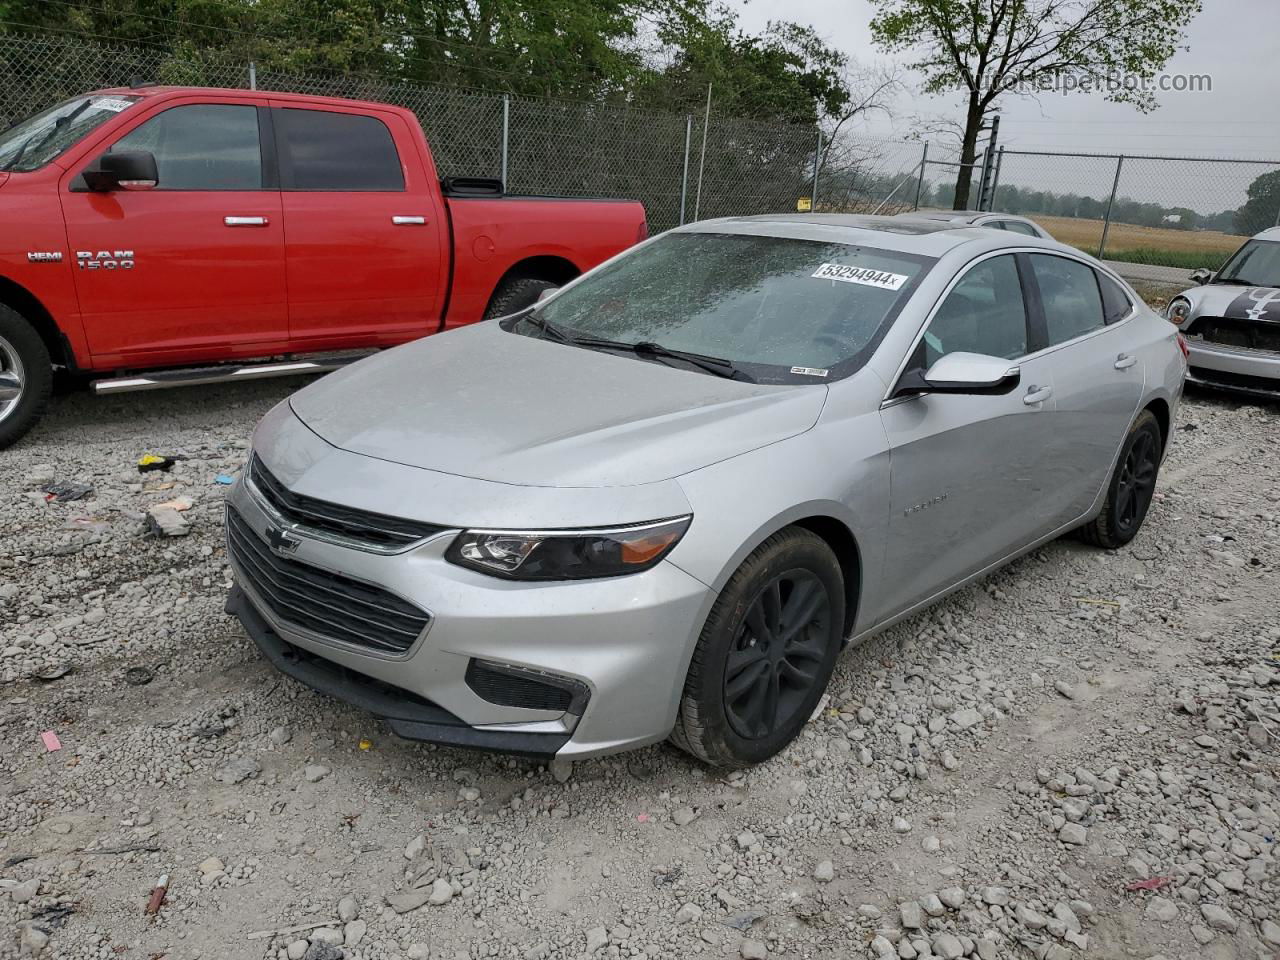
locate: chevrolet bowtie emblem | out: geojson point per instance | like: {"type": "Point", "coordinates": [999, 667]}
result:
{"type": "Point", "coordinates": [280, 541]}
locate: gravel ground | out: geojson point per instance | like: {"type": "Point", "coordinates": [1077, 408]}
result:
{"type": "Point", "coordinates": [1076, 757]}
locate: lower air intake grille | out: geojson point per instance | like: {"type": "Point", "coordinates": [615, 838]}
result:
{"type": "Point", "coordinates": [326, 603]}
{"type": "Point", "coordinates": [510, 687]}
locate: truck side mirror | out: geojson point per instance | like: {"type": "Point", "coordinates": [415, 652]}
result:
{"type": "Point", "coordinates": [126, 170]}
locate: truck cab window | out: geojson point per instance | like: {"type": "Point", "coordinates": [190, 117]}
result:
{"type": "Point", "coordinates": [202, 146]}
{"type": "Point", "coordinates": [325, 150]}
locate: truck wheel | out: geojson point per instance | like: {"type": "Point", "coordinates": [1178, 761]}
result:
{"type": "Point", "coordinates": [26, 376]}
{"type": "Point", "coordinates": [765, 654]}
{"type": "Point", "coordinates": [516, 294]}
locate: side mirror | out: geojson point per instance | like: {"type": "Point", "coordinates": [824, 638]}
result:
{"type": "Point", "coordinates": [546, 293]}
{"type": "Point", "coordinates": [1203, 275]}
{"type": "Point", "coordinates": [126, 170]}
{"type": "Point", "coordinates": [969, 373]}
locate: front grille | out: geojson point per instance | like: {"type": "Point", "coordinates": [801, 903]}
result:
{"type": "Point", "coordinates": [1232, 332]}
{"type": "Point", "coordinates": [374, 528]}
{"type": "Point", "coordinates": [326, 603]}
{"type": "Point", "coordinates": [509, 687]}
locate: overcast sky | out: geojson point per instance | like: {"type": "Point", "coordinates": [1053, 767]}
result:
{"type": "Point", "coordinates": [1236, 42]}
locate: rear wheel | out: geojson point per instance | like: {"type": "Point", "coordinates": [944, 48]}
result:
{"type": "Point", "coordinates": [765, 654]}
{"type": "Point", "coordinates": [26, 376]}
{"type": "Point", "coordinates": [515, 294]}
{"type": "Point", "coordinates": [1131, 488]}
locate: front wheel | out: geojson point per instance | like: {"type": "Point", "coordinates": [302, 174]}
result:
{"type": "Point", "coordinates": [1131, 488]}
{"type": "Point", "coordinates": [765, 654]}
{"type": "Point", "coordinates": [26, 376]}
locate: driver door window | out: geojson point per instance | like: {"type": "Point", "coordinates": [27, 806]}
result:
{"type": "Point", "coordinates": [202, 146]}
{"type": "Point", "coordinates": [984, 313]}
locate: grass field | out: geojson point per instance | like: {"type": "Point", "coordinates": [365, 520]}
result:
{"type": "Point", "coordinates": [1133, 244]}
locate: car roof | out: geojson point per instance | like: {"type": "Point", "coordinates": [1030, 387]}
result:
{"type": "Point", "coordinates": [926, 236]}
{"type": "Point", "coordinates": [1271, 233]}
{"type": "Point", "coordinates": [158, 90]}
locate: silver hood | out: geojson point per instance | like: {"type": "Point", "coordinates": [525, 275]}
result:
{"type": "Point", "coordinates": [485, 403]}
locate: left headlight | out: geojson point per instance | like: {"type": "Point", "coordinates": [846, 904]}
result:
{"type": "Point", "coordinates": [1178, 310]}
{"type": "Point", "coordinates": [567, 554]}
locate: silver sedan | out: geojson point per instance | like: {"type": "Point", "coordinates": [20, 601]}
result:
{"type": "Point", "coordinates": [660, 502]}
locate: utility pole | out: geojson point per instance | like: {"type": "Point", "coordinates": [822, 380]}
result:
{"type": "Point", "coordinates": [988, 158]}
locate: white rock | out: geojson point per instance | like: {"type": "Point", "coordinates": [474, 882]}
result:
{"type": "Point", "coordinates": [1218, 918]}
{"type": "Point", "coordinates": [753, 950]}
{"type": "Point", "coordinates": [689, 913]}
{"type": "Point", "coordinates": [348, 909]}
{"type": "Point", "coordinates": [948, 946]}
{"type": "Point", "coordinates": [441, 892]}
{"type": "Point", "coordinates": [296, 949]}
{"type": "Point", "coordinates": [1158, 908]}
{"type": "Point", "coordinates": [824, 872]}
{"type": "Point", "coordinates": [1074, 834]}
{"type": "Point", "coordinates": [353, 932]}
{"type": "Point", "coordinates": [597, 937]}
{"type": "Point", "coordinates": [315, 772]}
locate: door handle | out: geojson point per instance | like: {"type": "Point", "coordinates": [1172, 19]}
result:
{"type": "Point", "coordinates": [408, 221]}
{"type": "Point", "coordinates": [1124, 361]}
{"type": "Point", "coordinates": [1036, 395]}
{"type": "Point", "coordinates": [245, 221]}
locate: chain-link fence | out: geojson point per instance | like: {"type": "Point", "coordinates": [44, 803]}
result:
{"type": "Point", "coordinates": [1166, 211]}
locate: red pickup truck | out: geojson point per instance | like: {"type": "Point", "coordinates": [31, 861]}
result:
{"type": "Point", "coordinates": [158, 236]}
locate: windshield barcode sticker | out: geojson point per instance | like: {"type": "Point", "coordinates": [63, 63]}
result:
{"type": "Point", "coordinates": [863, 275]}
{"type": "Point", "coordinates": [811, 371]}
{"type": "Point", "coordinates": [112, 104]}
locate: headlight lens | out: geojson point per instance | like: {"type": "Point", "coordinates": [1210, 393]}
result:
{"type": "Point", "coordinates": [1178, 310]}
{"type": "Point", "coordinates": [567, 554]}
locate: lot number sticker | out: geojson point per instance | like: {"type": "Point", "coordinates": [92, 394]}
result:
{"type": "Point", "coordinates": [863, 275]}
{"type": "Point", "coordinates": [112, 104]}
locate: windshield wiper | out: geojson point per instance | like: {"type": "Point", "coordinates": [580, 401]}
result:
{"type": "Point", "coordinates": [646, 349]}
{"type": "Point", "coordinates": [58, 124]}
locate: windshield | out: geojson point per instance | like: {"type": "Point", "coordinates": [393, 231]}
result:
{"type": "Point", "coordinates": [780, 310]}
{"type": "Point", "coordinates": [1256, 264]}
{"type": "Point", "coordinates": [33, 142]}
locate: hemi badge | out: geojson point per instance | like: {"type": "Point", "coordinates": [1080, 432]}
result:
{"type": "Point", "coordinates": [45, 256]}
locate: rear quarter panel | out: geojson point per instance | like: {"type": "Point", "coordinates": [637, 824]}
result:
{"type": "Point", "coordinates": [492, 235]}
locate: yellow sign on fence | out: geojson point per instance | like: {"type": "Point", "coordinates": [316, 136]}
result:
{"type": "Point", "coordinates": [804, 204]}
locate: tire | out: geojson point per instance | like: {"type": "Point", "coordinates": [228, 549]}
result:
{"type": "Point", "coordinates": [1131, 486]}
{"type": "Point", "coordinates": [26, 376]}
{"type": "Point", "coordinates": [721, 728]}
{"type": "Point", "coordinates": [515, 294]}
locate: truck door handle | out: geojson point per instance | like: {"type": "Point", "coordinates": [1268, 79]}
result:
{"type": "Point", "coordinates": [408, 221]}
{"type": "Point", "coordinates": [1124, 361]}
{"type": "Point", "coordinates": [245, 221]}
{"type": "Point", "coordinates": [1036, 395]}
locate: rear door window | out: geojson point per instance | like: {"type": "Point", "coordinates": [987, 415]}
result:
{"type": "Point", "coordinates": [1115, 302]}
{"type": "Point", "coordinates": [326, 150]}
{"type": "Point", "coordinates": [1017, 226]}
{"type": "Point", "coordinates": [1071, 297]}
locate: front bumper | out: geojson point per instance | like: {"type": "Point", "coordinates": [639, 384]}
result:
{"type": "Point", "coordinates": [626, 640]}
{"type": "Point", "coordinates": [1239, 369]}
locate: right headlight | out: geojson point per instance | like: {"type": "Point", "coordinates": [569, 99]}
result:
{"type": "Point", "coordinates": [567, 554]}
{"type": "Point", "coordinates": [1178, 311]}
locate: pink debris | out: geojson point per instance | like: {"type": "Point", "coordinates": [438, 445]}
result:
{"type": "Point", "coordinates": [51, 741]}
{"type": "Point", "coordinates": [1151, 883]}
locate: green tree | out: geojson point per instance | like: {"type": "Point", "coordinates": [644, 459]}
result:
{"type": "Point", "coordinates": [984, 49]}
{"type": "Point", "coordinates": [1262, 209]}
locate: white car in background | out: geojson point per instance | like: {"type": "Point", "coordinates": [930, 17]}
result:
{"type": "Point", "coordinates": [984, 218]}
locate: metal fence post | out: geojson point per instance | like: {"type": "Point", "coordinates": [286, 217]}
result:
{"type": "Point", "coordinates": [253, 75]}
{"type": "Point", "coordinates": [506, 130]}
{"type": "Point", "coordinates": [1106, 223]}
{"type": "Point", "coordinates": [702, 160]}
{"type": "Point", "coordinates": [817, 162]}
{"type": "Point", "coordinates": [684, 178]}
{"type": "Point", "coordinates": [924, 159]}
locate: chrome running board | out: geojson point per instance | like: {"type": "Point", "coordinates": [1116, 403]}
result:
{"type": "Point", "coordinates": [195, 376]}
